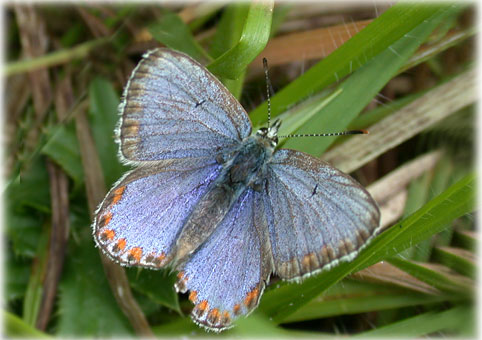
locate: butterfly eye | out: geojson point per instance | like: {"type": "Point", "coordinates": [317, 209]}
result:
{"type": "Point", "coordinates": [262, 132]}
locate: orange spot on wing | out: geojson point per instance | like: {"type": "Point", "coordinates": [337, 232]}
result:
{"type": "Point", "coordinates": [180, 275]}
{"type": "Point", "coordinates": [251, 297]}
{"type": "Point", "coordinates": [215, 312]}
{"type": "Point", "coordinates": [105, 219]}
{"type": "Point", "coordinates": [193, 296]}
{"type": "Point", "coordinates": [214, 316]}
{"type": "Point", "coordinates": [158, 260]}
{"type": "Point", "coordinates": [226, 317]}
{"type": "Point", "coordinates": [118, 194]}
{"type": "Point", "coordinates": [203, 305]}
{"type": "Point", "coordinates": [237, 309]}
{"type": "Point", "coordinates": [108, 234]}
{"type": "Point", "coordinates": [136, 253]}
{"type": "Point", "coordinates": [121, 244]}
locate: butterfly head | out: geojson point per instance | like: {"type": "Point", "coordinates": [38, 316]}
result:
{"type": "Point", "coordinates": [270, 134]}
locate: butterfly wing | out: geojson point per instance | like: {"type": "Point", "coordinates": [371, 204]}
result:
{"type": "Point", "coordinates": [140, 219]}
{"type": "Point", "coordinates": [174, 108]}
{"type": "Point", "coordinates": [317, 215]}
{"type": "Point", "coordinates": [227, 274]}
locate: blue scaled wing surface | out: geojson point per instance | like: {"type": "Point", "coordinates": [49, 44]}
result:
{"type": "Point", "coordinates": [141, 217]}
{"type": "Point", "coordinates": [226, 276]}
{"type": "Point", "coordinates": [174, 108]}
{"type": "Point", "coordinates": [317, 215]}
{"type": "Point", "coordinates": [175, 119]}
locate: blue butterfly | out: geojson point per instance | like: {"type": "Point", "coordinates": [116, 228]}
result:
{"type": "Point", "coordinates": [223, 208]}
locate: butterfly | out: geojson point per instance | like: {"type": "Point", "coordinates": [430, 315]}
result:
{"type": "Point", "coordinates": [222, 207]}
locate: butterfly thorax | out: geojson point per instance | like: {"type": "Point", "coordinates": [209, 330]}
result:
{"type": "Point", "coordinates": [246, 165]}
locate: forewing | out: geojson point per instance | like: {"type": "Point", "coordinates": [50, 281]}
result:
{"type": "Point", "coordinates": [227, 274]}
{"type": "Point", "coordinates": [140, 218]}
{"type": "Point", "coordinates": [317, 215]}
{"type": "Point", "coordinates": [174, 108]}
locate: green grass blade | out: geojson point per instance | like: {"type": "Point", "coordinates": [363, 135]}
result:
{"type": "Point", "coordinates": [373, 116]}
{"type": "Point", "coordinates": [427, 221]}
{"type": "Point", "coordinates": [383, 32]}
{"type": "Point", "coordinates": [228, 33]}
{"type": "Point", "coordinates": [360, 88]}
{"type": "Point", "coordinates": [54, 58]}
{"type": "Point", "coordinates": [229, 28]}
{"type": "Point", "coordinates": [432, 50]}
{"type": "Point", "coordinates": [35, 291]}
{"type": "Point", "coordinates": [458, 318]}
{"type": "Point", "coordinates": [460, 260]}
{"type": "Point", "coordinates": [254, 38]}
{"type": "Point", "coordinates": [352, 297]}
{"type": "Point", "coordinates": [435, 275]}
{"type": "Point", "coordinates": [417, 196]}
{"type": "Point", "coordinates": [466, 239]}
{"type": "Point", "coordinates": [424, 112]}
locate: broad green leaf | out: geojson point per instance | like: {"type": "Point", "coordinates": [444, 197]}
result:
{"type": "Point", "coordinates": [17, 273]}
{"type": "Point", "coordinates": [157, 285]}
{"type": "Point", "coordinates": [174, 33]}
{"type": "Point", "coordinates": [104, 103]}
{"type": "Point", "coordinates": [26, 198]}
{"type": "Point", "coordinates": [23, 227]}
{"type": "Point", "coordinates": [427, 221]}
{"type": "Point", "coordinates": [254, 326]}
{"type": "Point", "coordinates": [30, 188]}
{"type": "Point", "coordinates": [378, 36]}
{"type": "Point", "coordinates": [17, 328]}
{"type": "Point", "coordinates": [87, 307]}
{"type": "Point", "coordinates": [63, 148]}
{"type": "Point", "coordinates": [178, 327]}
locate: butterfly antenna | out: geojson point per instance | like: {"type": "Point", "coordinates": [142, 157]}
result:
{"type": "Point", "coordinates": [350, 132]}
{"type": "Point", "coordinates": [268, 88]}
